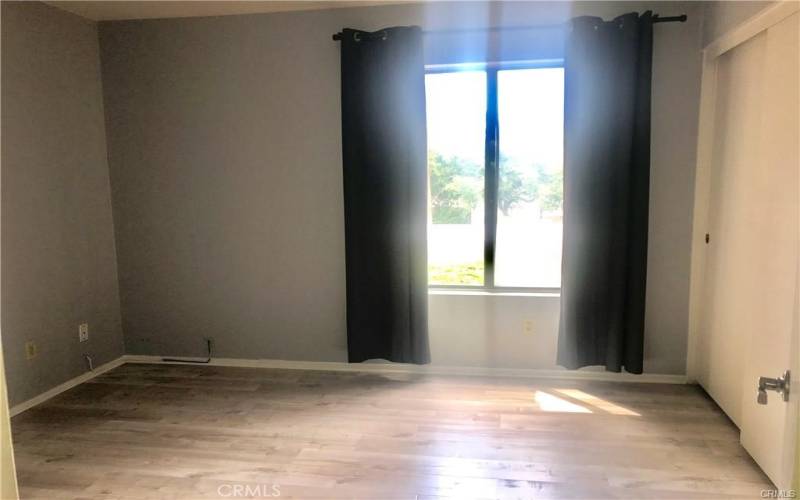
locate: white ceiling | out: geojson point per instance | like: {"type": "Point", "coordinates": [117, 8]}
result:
{"type": "Point", "coordinates": [109, 10]}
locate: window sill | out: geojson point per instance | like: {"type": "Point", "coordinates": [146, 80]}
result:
{"type": "Point", "coordinates": [495, 293]}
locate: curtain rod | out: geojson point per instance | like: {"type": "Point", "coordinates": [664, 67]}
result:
{"type": "Point", "coordinates": [656, 19]}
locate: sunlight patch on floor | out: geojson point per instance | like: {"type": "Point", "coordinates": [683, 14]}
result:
{"type": "Point", "coordinates": [551, 403]}
{"type": "Point", "coordinates": [599, 403]}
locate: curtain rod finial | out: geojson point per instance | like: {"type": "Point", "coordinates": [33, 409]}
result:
{"type": "Point", "coordinates": [670, 19]}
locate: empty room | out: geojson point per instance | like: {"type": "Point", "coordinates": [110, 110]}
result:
{"type": "Point", "coordinates": [399, 249]}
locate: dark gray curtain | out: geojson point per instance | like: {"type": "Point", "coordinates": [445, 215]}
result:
{"type": "Point", "coordinates": [606, 192]}
{"type": "Point", "coordinates": [385, 194]}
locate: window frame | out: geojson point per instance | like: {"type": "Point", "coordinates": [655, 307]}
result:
{"type": "Point", "coordinates": [491, 176]}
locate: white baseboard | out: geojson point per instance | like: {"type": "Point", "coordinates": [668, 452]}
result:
{"type": "Point", "coordinates": [69, 384]}
{"type": "Point", "coordinates": [472, 371]}
{"type": "Point", "coordinates": [428, 369]}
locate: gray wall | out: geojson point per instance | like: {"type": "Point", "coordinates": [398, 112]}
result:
{"type": "Point", "coordinates": [224, 140]}
{"type": "Point", "coordinates": [59, 264]}
{"type": "Point", "coordinates": [719, 17]}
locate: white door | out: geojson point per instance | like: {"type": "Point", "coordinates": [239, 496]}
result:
{"type": "Point", "coordinates": [768, 431]}
{"type": "Point", "coordinates": [734, 214]}
{"type": "Point", "coordinates": [749, 314]}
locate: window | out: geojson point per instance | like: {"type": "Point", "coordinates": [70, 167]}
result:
{"type": "Point", "coordinates": [495, 170]}
{"type": "Point", "coordinates": [456, 109]}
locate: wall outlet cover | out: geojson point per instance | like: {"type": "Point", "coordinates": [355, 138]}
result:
{"type": "Point", "coordinates": [83, 332]}
{"type": "Point", "coordinates": [527, 327]}
{"type": "Point", "coordinates": [31, 349]}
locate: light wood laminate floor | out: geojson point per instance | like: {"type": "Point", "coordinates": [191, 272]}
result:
{"type": "Point", "coordinates": [179, 431]}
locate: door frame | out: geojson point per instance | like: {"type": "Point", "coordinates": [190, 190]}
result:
{"type": "Point", "coordinates": [738, 35]}
{"type": "Point", "coordinates": [702, 193]}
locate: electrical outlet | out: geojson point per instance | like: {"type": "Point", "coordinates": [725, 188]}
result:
{"type": "Point", "coordinates": [83, 332]}
{"type": "Point", "coordinates": [527, 327]}
{"type": "Point", "coordinates": [31, 349]}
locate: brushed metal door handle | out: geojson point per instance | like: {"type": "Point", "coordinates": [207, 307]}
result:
{"type": "Point", "coordinates": [781, 385]}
